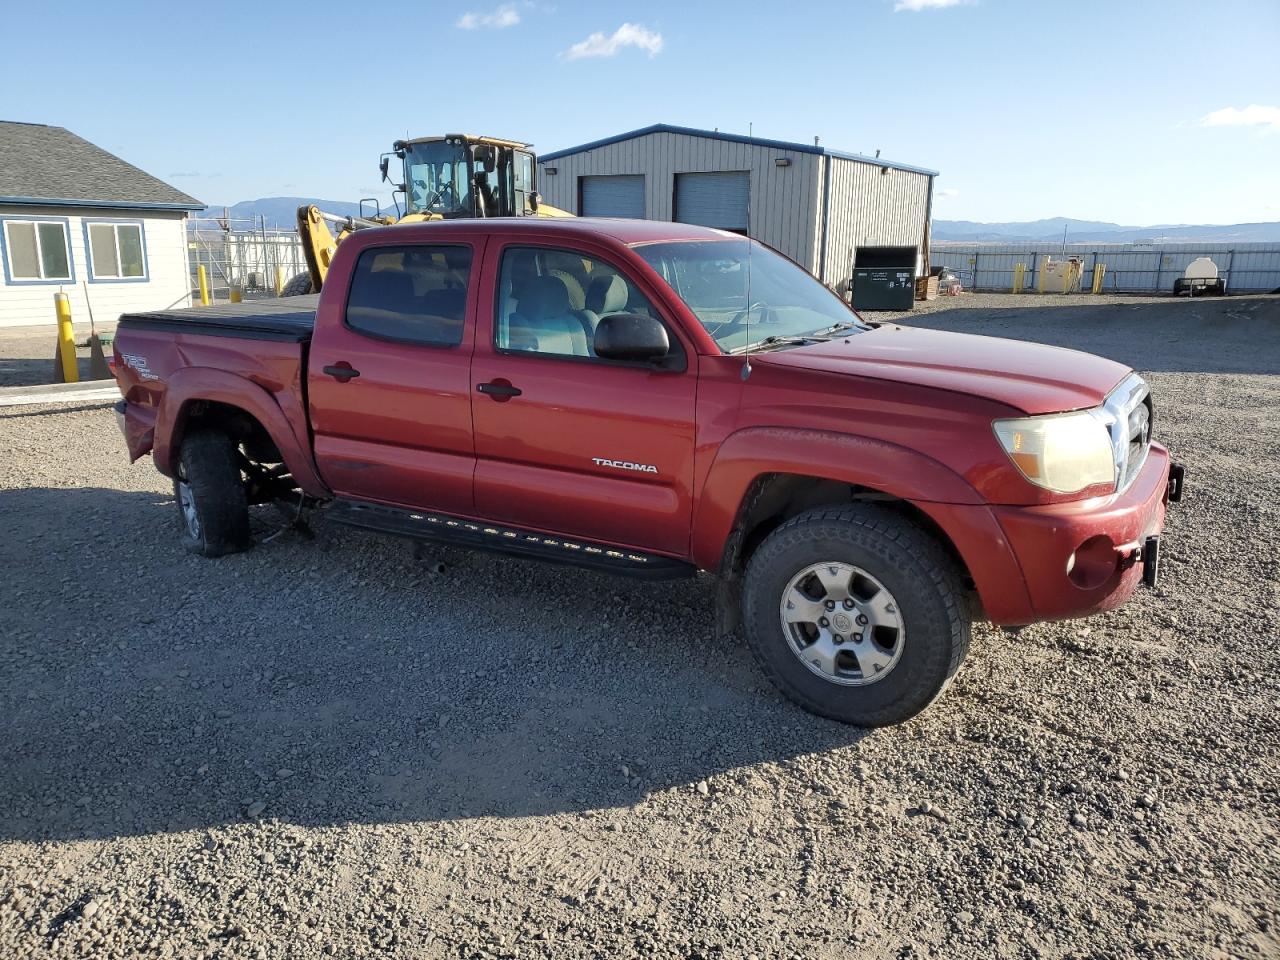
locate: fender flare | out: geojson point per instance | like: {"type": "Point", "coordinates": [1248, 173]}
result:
{"type": "Point", "coordinates": [277, 413]}
{"type": "Point", "coordinates": [748, 454]}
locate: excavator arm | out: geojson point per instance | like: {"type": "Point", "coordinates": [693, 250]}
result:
{"type": "Point", "coordinates": [319, 243]}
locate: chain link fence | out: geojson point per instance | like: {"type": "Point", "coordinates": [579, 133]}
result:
{"type": "Point", "coordinates": [243, 253]}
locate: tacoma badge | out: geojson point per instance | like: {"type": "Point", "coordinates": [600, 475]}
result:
{"type": "Point", "coordinates": [624, 465]}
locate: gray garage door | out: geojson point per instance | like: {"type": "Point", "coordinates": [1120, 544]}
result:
{"type": "Point", "coordinates": [618, 196]}
{"type": "Point", "coordinates": [713, 199]}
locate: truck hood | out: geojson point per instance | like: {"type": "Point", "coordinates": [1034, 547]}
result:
{"type": "Point", "coordinates": [1030, 377]}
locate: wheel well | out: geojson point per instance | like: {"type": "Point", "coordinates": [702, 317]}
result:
{"type": "Point", "coordinates": [775, 498]}
{"type": "Point", "coordinates": [238, 424]}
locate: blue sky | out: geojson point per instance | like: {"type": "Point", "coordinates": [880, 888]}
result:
{"type": "Point", "coordinates": [1133, 112]}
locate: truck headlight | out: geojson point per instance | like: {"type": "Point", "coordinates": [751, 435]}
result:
{"type": "Point", "coordinates": [1063, 452]}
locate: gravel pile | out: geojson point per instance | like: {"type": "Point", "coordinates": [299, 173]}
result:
{"type": "Point", "coordinates": [323, 748]}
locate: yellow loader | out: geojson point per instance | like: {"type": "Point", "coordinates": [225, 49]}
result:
{"type": "Point", "coordinates": [445, 178]}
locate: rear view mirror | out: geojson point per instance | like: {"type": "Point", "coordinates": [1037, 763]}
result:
{"type": "Point", "coordinates": [384, 165]}
{"type": "Point", "coordinates": [633, 337]}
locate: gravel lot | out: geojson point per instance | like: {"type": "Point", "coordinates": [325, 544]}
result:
{"type": "Point", "coordinates": [323, 748]}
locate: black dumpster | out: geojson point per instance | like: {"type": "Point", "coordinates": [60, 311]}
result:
{"type": "Point", "coordinates": [884, 278]}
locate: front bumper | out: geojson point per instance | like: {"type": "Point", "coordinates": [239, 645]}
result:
{"type": "Point", "coordinates": [1085, 557]}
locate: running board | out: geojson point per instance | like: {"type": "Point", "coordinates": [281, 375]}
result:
{"type": "Point", "coordinates": [455, 531]}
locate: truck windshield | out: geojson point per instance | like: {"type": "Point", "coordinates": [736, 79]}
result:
{"type": "Point", "coordinates": [437, 178]}
{"type": "Point", "coordinates": [713, 278]}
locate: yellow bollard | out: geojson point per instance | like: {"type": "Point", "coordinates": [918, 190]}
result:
{"type": "Point", "coordinates": [1019, 276]}
{"type": "Point", "coordinates": [66, 339]}
{"type": "Point", "coordinates": [279, 280]}
{"type": "Point", "coordinates": [236, 295]}
{"type": "Point", "coordinates": [1099, 274]}
{"type": "Point", "coordinates": [204, 285]}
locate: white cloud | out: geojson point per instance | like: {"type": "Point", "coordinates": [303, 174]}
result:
{"type": "Point", "coordinates": [504, 16]}
{"type": "Point", "coordinates": [1253, 115]}
{"type": "Point", "coordinates": [915, 6]}
{"type": "Point", "coordinates": [949, 192]}
{"type": "Point", "coordinates": [627, 35]}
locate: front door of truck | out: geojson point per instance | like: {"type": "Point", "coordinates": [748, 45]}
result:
{"type": "Point", "coordinates": [389, 376]}
{"type": "Point", "coordinates": [567, 442]}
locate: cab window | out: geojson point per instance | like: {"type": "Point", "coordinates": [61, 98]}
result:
{"type": "Point", "coordinates": [551, 301]}
{"type": "Point", "coordinates": [411, 294]}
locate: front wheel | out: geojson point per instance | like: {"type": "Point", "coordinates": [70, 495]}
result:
{"type": "Point", "coordinates": [856, 614]}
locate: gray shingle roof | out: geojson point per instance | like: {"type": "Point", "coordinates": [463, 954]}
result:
{"type": "Point", "coordinates": [41, 164]}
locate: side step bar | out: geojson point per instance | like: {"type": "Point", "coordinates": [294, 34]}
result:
{"type": "Point", "coordinates": [455, 531]}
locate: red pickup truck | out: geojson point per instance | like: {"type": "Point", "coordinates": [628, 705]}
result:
{"type": "Point", "coordinates": [656, 399]}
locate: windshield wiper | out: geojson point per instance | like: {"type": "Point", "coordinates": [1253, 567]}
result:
{"type": "Point", "coordinates": [840, 327]}
{"type": "Point", "coordinates": [777, 341]}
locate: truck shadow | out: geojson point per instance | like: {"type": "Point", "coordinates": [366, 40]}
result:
{"type": "Point", "coordinates": [1237, 334]}
{"type": "Point", "coordinates": [340, 680]}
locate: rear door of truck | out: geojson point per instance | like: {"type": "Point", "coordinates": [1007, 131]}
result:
{"type": "Point", "coordinates": [389, 374]}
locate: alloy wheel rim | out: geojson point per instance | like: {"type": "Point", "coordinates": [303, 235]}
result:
{"type": "Point", "coordinates": [187, 501]}
{"type": "Point", "coordinates": [842, 623]}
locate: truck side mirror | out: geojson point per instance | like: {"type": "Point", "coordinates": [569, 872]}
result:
{"type": "Point", "coordinates": [632, 337]}
{"type": "Point", "coordinates": [535, 198]}
{"type": "Point", "coordinates": [384, 165]}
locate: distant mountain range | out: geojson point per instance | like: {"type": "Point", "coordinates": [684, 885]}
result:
{"type": "Point", "coordinates": [282, 212]}
{"type": "Point", "coordinates": [1095, 231]}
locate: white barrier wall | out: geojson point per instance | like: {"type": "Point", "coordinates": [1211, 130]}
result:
{"type": "Point", "coordinates": [1131, 268]}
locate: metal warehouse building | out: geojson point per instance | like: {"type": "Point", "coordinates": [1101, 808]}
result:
{"type": "Point", "coordinates": [817, 206]}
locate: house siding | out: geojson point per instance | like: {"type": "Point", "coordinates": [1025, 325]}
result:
{"type": "Point", "coordinates": [784, 201]}
{"type": "Point", "coordinates": [167, 283]}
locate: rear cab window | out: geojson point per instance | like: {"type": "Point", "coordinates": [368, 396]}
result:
{"type": "Point", "coordinates": [415, 293]}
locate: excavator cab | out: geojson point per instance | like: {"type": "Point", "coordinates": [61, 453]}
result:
{"type": "Point", "coordinates": [463, 176]}
{"type": "Point", "coordinates": [445, 178]}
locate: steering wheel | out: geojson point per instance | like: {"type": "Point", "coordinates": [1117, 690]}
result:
{"type": "Point", "coordinates": [440, 194]}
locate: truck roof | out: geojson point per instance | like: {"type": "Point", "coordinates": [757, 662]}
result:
{"type": "Point", "coordinates": [629, 232]}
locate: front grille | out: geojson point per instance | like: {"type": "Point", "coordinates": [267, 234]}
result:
{"type": "Point", "coordinates": [1129, 417]}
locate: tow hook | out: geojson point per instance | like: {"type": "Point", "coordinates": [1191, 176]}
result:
{"type": "Point", "coordinates": [1177, 474]}
{"type": "Point", "coordinates": [1147, 553]}
{"type": "Point", "coordinates": [1151, 561]}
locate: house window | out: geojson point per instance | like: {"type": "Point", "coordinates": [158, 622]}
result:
{"type": "Point", "coordinates": [115, 251]}
{"type": "Point", "coordinates": [37, 250]}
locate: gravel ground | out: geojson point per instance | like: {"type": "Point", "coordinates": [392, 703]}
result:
{"type": "Point", "coordinates": [323, 748]}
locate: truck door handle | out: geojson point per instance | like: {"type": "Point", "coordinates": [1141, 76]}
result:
{"type": "Point", "coordinates": [500, 390]}
{"type": "Point", "coordinates": [342, 371]}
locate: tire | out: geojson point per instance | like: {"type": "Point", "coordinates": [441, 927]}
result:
{"type": "Point", "coordinates": [916, 634]}
{"type": "Point", "coordinates": [298, 286]}
{"type": "Point", "coordinates": [213, 510]}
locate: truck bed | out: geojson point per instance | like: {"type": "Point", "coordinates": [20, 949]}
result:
{"type": "Point", "coordinates": [290, 319]}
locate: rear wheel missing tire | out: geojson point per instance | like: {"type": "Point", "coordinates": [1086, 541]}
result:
{"type": "Point", "coordinates": [856, 614]}
{"type": "Point", "coordinates": [210, 494]}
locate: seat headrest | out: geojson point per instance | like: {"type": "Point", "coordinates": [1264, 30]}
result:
{"type": "Point", "coordinates": [544, 297]}
{"type": "Point", "coordinates": [607, 294]}
{"type": "Point", "coordinates": [391, 286]}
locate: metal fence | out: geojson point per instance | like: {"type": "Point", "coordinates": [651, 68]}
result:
{"type": "Point", "coordinates": [1130, 267]}
{"type": "Point", "coordinates": [242, 253]}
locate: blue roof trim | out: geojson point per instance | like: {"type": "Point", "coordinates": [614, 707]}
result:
{"type": "Point", "coordinates": [97, 204]}
{"type": "Point", "coordinates": [735, 138]}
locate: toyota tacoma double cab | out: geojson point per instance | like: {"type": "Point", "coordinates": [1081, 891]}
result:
{"type": "Point", "coordinates": [656, 399]}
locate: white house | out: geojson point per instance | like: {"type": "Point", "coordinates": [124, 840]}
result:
{"type": "Point", "coordinates": [76, 219]}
